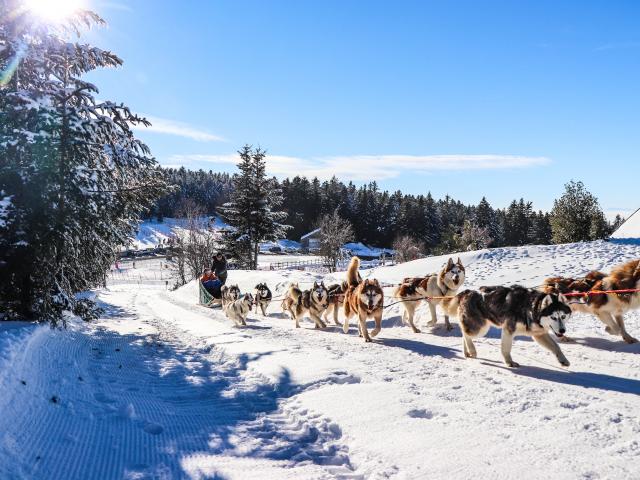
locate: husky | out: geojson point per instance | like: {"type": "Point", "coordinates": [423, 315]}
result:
{"type": "Point", "coordinates": [263, 298]}
{"type": "Point", "coordinates": [610, 308]}
{"type": "Point", "coordinates": [444, 284]}
{"type": "Point", "coordinates": [336, 301]}
{"type": "Point", "coordinates": [517, 311]}
{"type": "Point", "coordinates": [229, 294]}
{"type": "Point", "coordinates": [364, 299]}
{"type": "Point", "coordinates": [313, 301]}
{"type": "Point", "coordinates": [565, 285]}
{"type": "Point", "coordinates": [238, 310]}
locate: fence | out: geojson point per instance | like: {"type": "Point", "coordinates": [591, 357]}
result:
{"type": "Point", "coordinates": [299, 265]}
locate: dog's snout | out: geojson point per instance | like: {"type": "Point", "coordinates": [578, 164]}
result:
{"type": "Point", "coordinates": [562, 331]}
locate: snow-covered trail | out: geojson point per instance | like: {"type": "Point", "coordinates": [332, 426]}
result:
{"type": "Point", "coordinates": [163, 388]}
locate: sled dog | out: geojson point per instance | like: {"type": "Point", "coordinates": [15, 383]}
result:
{"type": "Point", "coordinates": [238, 310]}
{"type": "Point", "coordinates": [229, 294]}
{"type": "Point", "coordinates": [574, 285]}
{"type": "Point", "coordinates": [313, 301]}
{"type": "Point", "coordinates": [517, 311]}
{"type": "Point", "coordinates": [609, 308]}
{"type": "Point", "coordinates": [364, 299]}
{"type": "Point", "coordinates": [262, 298]}
{"type": "Point", "coordinates": [336, 301]}
{"type": "Point", "coordinates": [444, 284]}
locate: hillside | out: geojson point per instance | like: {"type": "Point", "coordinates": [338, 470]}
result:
{"type": "Point", "coordinates": [162, 387]}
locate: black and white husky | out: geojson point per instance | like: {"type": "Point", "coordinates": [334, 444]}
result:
{"type": "Point", "coordinates": [517, 311]}
{"type": "Point", "coordinates": [263, 298]}
{"type": "Point", "coordinates": [238, 310]}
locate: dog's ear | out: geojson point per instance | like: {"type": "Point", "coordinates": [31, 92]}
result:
{"type": "Point", "coordinates": [546, 301]}
{"type": "Point", "coordinates": [563, 299]}
{"type": "Point", "coordinates": [459, 262]}
{"type": "Point", "coordinates": [376, 282]}
{"type": "Point", "coordinates": [450, 264]}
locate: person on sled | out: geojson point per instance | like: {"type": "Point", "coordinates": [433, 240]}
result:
{"type": "Point", "coordinates": [211, 283]}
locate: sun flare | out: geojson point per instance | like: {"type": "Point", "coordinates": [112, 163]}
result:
{"type": "Point", "coordinates": [53, 10]}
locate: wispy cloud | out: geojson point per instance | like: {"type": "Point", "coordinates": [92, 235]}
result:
{"type": "Point", "coordinates": [171, 127]}
{"type": "Point", "coordinates": [617, 46]}
{"type": "Point", "coordinates": [370, 167]}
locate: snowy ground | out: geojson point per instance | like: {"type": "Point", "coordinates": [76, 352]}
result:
{"type": "Point", "coordinates": [163, 388]}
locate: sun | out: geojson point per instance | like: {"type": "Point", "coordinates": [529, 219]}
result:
{"type": "Point", "coordinates": [53, 11]}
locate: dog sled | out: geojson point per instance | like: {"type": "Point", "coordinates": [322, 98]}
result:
{"type": "Point", "coordinates": [206, 299]}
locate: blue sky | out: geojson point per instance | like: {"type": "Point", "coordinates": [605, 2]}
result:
{"type": "Point", "coordinates": [467, 98]}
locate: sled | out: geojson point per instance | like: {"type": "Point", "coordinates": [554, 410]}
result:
{"type": "Point", "coordinates": [206, 299]}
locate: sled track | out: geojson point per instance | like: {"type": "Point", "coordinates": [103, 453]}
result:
{"type": "Point", "coordinates": [140, 405]}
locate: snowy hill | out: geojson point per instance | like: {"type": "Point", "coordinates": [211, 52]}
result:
{"type": "Point", "coordinates": [152, 233]}
{"type": "Point", "coordinates": [162, 387]}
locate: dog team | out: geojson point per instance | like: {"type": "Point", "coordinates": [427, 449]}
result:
{"type": "Point", "coordinates": [516, 310]}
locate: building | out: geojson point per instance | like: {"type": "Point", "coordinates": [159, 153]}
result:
{"type": "Point", "coordinates": [311, 241]}
{"type": "Point", "coordinates": [629, 231]}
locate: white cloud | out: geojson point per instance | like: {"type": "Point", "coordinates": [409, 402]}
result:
{"type": "Point", "coordinates": [371, 167]}
{"type": "Point", "coordinates": [617, 46]}
{"type": "Point", "coordinates": [170, 127]}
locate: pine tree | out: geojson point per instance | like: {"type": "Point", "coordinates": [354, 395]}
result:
{"type": "Point", "coordinates": [251, 212]}
{"type": "Point", "coordinates": [76, 176]}
{"type": "Point", "coordinates": [577, 216]}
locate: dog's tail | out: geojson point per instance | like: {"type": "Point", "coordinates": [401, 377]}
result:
{"type": "Point", "coordinates": [294, 292]}
{"type": "Point", "coordinates": [353, 275]}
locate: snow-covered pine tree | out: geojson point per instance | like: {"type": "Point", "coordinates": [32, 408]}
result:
{"type": "Point", "coordinates": [252, 211]}
{"type": "Point", "coordinates": [76, 177]}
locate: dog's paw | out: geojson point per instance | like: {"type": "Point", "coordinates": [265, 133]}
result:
{"type": "Point", "coordinates": [564, 362]}
{"type": "Point", "coordinates": [513, 364]}
{"type": "Point", "coordinates": [449, 327]}
{"type": "Point", "coordinates": [416, 330]}
{"type": "Point", "coordinates": [367, 339]}
{"type": "Point", "coordinates": [469, 355]}
{"type": "Point", "coordinates": [630, 339]}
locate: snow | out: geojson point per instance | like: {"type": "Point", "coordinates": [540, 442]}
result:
{"type": "Point", "coordinates": [629, 230]}
{"type": "Point", "coordinates": [5, 205]}
{"type": "Point", "coordinates": [285, 245]}
{"type": "Point", "coordinates": [152, 233]}
{"type": "Point", "coordinates": [160, 387]}
{"type": "Point", "coordinates": [362, 250]}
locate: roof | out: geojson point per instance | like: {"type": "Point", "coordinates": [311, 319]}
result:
{"type": "Point", "coordinates": [630, 228]}
{"type": "Point", "coordinates": [310, 234]}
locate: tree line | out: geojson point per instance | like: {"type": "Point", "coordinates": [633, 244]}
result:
{"type": "Point", "coordinates": [379, 217]}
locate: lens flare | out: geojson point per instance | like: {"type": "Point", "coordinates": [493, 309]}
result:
{"type": "Point", "coordinates": [54, 11]}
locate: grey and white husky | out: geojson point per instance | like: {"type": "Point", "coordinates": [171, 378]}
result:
{"type": "Point", "coordinates": [517, 311]}
{"type": "Point", "coordinates": [238, 310]}
{"type": "Point", "coordinates": [263, 297]}
{"type": "Point", "coordinates": [229, 294]}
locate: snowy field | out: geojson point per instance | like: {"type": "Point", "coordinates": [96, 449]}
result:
{"type": "Point", "coordinates": [163, 388]}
